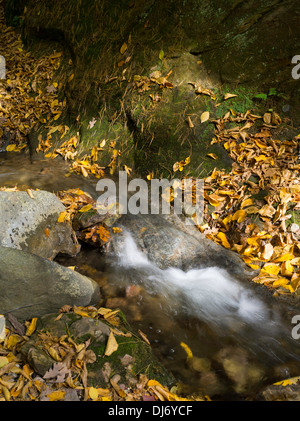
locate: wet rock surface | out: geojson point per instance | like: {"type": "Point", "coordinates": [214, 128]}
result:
{"type": "Point", "coordinates": [29, 223]}
{"type": "Point", "coordinates": [167, 241]}
{"type": "Point", "coordinates": [33, 286]}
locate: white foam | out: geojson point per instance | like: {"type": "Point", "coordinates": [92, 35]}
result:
{"type": "Point", "coordinates": [208, 293]}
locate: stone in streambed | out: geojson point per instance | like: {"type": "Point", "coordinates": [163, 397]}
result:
{"type": "Point", "coordinates": [32, 286]}
{"type": "Point", "coordinates": [168, 241]}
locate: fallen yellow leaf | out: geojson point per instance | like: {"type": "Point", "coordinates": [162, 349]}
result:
{"type": "Point", "coordinates": [239, 215]}
{"type": "Point", "coordinates": [111, 346]}
{"type": "Point", "coordinates": [31, 328]}
{"type": "Point", "coordinates": [271, 269]}
{"type": "Point", "coordinates": [57, 395]}
{"type": "Point", "coordinates": [223, 239]}
{"type": "Point", "coordinates": [204, 116]}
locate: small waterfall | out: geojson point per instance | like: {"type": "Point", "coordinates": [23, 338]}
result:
{"type": "Point", "coordinates": [210, 295]}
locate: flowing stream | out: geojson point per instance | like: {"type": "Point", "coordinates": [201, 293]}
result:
{"type": "Point", "coordinates": [204, 308]}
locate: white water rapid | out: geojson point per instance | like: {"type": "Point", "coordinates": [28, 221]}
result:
{"type": "Point", "coordinates": [209, 295]}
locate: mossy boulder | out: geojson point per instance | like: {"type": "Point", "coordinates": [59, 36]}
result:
{"type": "Point", "coordinates": [132, 357]}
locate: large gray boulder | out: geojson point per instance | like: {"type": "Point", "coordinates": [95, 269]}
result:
{"type": "Point", "coordinates": [29, 222]}
{"type": "Point", "coordinates": [167, 240]}
{"type": "Point", "coordinates": [33, 286]}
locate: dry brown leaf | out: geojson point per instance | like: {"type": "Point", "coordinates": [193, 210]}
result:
{"type": "Point", "coordinates": [112, 345]}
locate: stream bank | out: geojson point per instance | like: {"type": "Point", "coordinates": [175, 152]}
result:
{"type": "Point", "coordinates": [164, 319]}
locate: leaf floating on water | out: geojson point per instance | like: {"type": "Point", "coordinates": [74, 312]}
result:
{"type": "Point", "coordinates": [288, 382]}
{"type": "Point", "coordinates": [187, 350]}
{"type": "Point", "coordinates": [239, 215]}
{"type": "Point", "coordinates": [85, 208]}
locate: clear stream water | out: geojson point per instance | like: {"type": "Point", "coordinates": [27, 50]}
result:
{"type": "Point", "coordinates": [204, 308]}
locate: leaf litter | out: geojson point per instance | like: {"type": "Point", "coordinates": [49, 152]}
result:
{"type": "Point", "coordinates": [19, 382]}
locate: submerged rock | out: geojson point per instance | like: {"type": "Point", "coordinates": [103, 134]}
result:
{"type": "Point", "coordinates": [32, 286]}
{"type": "Point", "coordinates": [29, 223]}
{"type": "Point", "coordinates": [281, 393]}
{"type": "Point", "coordinates": [240, 370]}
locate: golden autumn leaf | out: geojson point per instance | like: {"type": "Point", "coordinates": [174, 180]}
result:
{"type": "Point", "coordinates": [223, 239]}
{"type": "Point", "coordinates": [246, 202]}
{"type": "Point", "coordinates": [228, 96]}
{"type": "Point", "coordinates": [260, 144]}
{"type": "Point", "coordinates": [204, 116]}
{"type": "Point", "coordinates": [286, 268]}
{"type": "Point", "coordinates": [212, 155]}
{"type": "Point", "coordinates": [123, 48]}
{"type": "Point", "coordinates": [112, 345]}
{"type": "Point", "coordinates": [32, 326]}
{"type": "Point", "coordinates": [117, 230]}
{"type": "Point", "coordinates": [267, 251]}
{"type": "Point", "coordinates": [283, 258]}
{"type": "Point", "coordinates": [281, 282]}
{"type": "Point", "coordinates": [226, 221]}
{"type": "Point", "coordinates": [151, 175]}
{"type": "Point", "coordinates": [239, 215]}
{"type": "Point", "coordinates": [295, 282]}
{"type": "Point", "coordinates": [3, 361]}
{"type": "Point", "coordinates": [188, 351]}
{"type": "Point", "coordinates": [93, 393]}
{"type": "Point", "coordinates": [57, 395]}
{"type": "Point", "coordinates": [11, 148]}
{"type": "Point", "coordinates": [267, 210]}
{"type": "Point", "coordinates": [121, 392]}
{"type": "Point", "coordinates": [62, 216]}
{"type": "Point", "coordinates": [85, 208]}
{"type": "Point", "coordinates": [144, 336]}
{"type": "Point", "coordinates": [252, 210]}
{"type": "Point", "coordinates": [271, 269]}
{"type": "Point", "coordinates": [54, 354]}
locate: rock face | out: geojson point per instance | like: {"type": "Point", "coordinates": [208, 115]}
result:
{"type": "Point", "coordinates": [30, 224]}
{"type": "Point", "coordinates": [32, 286]}
{"type": "Point", "coordinates": [224, 46]}
{"type": "Point", "coordinates": [167, 241]}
